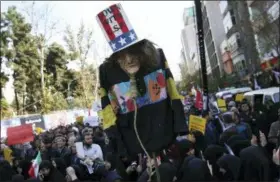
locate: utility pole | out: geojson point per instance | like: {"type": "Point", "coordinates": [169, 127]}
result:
{"type": "Point", "coordinates": [200, 35]}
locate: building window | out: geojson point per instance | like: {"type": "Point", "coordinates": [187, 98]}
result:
{"type": "Point", "coordinates": [227, 21]}
{"type": "Point", "coordinates": [238, 41]}
{"type": "Point", "coordinates": [232, 17]}
{"type": "Point", "coordinates": [223, 5]}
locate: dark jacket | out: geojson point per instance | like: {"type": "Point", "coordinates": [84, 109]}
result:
{"type": "Point", "coordinates": [160, 113]}
{"type": "Point", "coordinates": [255, 166]}
{"type": "Point", "coordinates": [194, 169]}
{"type": "Point", "coordinates": [49, 154]}
{"type": "Point", "coordinates": [55, 175]}
{"type": "Point", "coordinates": [25, 166]}
{"type": "Point", "coordinates": [232, 165]}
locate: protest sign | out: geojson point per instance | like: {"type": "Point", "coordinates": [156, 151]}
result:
{"type": "Point", "coordinates": [20, 134]}
{"type": "Point", "coordinates": [222, 104]}
{"type": "Point", "coordinates": [91, 120]}
{"type": "Point", "coordinates": [80, 149]}
{"type": "Point", "coordinates": [239, 97]}
{"type": "Point", "coordinates": [38, 120]}
{"type": "Point", "coordinates": [197, 124]}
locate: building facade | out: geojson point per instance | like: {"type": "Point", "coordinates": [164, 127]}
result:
{"type": "Point", "coordinates": [240, 42]}
{"type": "Point", "coordinates": [214, 35]}
{"type": "Point", "coordinates": [189, 40]}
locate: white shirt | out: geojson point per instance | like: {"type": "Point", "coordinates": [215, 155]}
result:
{"type": "Point", "coordinates": [94, 152]}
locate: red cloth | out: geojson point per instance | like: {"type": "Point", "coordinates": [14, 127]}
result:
{"type": "Point", "coordinates": [198, 100]}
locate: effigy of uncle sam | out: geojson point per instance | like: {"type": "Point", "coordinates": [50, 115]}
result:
{"type": "Point", "coordinates": [141, 108]}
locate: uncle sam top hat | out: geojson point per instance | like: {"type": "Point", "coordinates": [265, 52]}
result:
{"type": "Point", "coordinates": [116, 27]}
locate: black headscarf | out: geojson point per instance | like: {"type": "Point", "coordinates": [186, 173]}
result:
{"type": "Point", "coordinates": [212, 154]}
{"type": "Point", "coordinates": [194, 169]}
{"type": "Point", "coordinates": [54, 174]}
{"type": "Point", "coordinates": [255, 166]}
{"type": "Point", "coordinates": [232, 166]}
{"type": "Point", "coordinates": [25, 166]}
{"type": "Point", "coordinates": [60, 165]}
{"type": "Point", "coordinates": [6, 171]}
{"type": "Point", "coordinates": [238, 143]}
{"type": "Point", "coordinates": [18, 178]}
{"type": "Point", "coordinates": [166, 171]}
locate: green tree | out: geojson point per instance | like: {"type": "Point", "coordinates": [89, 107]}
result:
{"type": "Point", "coordinates": [56, 68]}
{"type": "Point", "coordinates": [23, 59]}
{"type": "Point", "coordinates": [267, 30]}
{"type": "Point", "coordinates": [4, 51]}
{"type": "Point", "coordinates": [6, 111]}
{"type": "Point", "coordinates": [79, 45]}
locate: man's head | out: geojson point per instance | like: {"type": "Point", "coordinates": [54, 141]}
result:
{"type": "Point", "coordinates": [47, 141]}
{"type": "Point", "coordinates": [45, 168]}
{"type": "Point", "coordinates": [71, 141]}
{"type": "Point", "coordinates": [231, 104]}
{"type": "Point", "coordinates": [245, 107]}
{"type": "Point", "coordinates": [60, 141]}
{"type": "Point", "coordinates": [87, 130]}
{"type": "Point", "coordinates": [235, 114]}
{"type": "Point", "coordinates": [87, 139]}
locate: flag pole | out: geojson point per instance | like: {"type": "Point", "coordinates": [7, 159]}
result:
{"type": "Point", "coordinates": [200, 36]}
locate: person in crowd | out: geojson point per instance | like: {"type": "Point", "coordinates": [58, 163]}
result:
{"type": "Point", "coordinates": [48, 152]}
{"type": "Point", "coordinates": [18, 178]}
{"type": "Point", "coordinates": [99, 138]}
{"type": "Point", "coordinates": [32, 151]}
{"type": "Point", "coordinates": [6, 171]}
{"type": "Point", "coordinates": [23, 168]}
{"type": "Point", "coordinates": [243, 128]}
{"type": "Point", "coordinates": [62, 151]}
{"type": "Point", "coordinates": [236, 143]}
{"type": "Point", "coordinates": [71, 141]}
{"type": "Point", "coordinates": [231, 104]}
{"type": "Point", "coordinates": [47, 172]}
{"type": "Point", "coordinates": [229, 166]}
{"type": "Point", "coordinates": [91, 150]}
{"type": "Point", "coordinates": [274, 132]}
{"type": "Point", "coordinates": [213, 130]}
{"type": "Point", "coordinates": [211, 154]}
{"type": "Point", "coordinates": [229, 127]}
{"type": "Point", "coordinates": [194, 169]}
{"type": "Point", "coordinates": [245, 112]}
{"type": "Point", "coordinates": [74, 159]}
{"type": "Point", "coordinates": [60, 165]}
{"type": "Point", "coordinates": [255, 165]}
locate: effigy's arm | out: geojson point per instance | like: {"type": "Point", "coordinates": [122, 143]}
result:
{"type": "Point", "coordinates": [180, 125]}
{"type": "Point", "coordinates": [109, 118]}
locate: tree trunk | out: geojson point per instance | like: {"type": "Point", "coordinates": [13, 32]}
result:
{"type": "Point", "coordinates": [96, 85]}
{"type": "Point", "coordinates": [17, 102]}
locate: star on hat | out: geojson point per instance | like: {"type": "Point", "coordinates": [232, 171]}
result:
{"type": "Point", "coordinates": [113, 45]}
{"type": "Point", "coordinates": [132, 36]}
{"type": "Point", "coordinates": [122, 41]}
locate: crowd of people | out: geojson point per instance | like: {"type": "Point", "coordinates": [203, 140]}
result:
{"type": "Point", "coordinates": [241, 144]}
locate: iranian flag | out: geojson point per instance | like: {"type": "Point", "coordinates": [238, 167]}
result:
{"type": "Point", "coordinates": [34, 169]}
